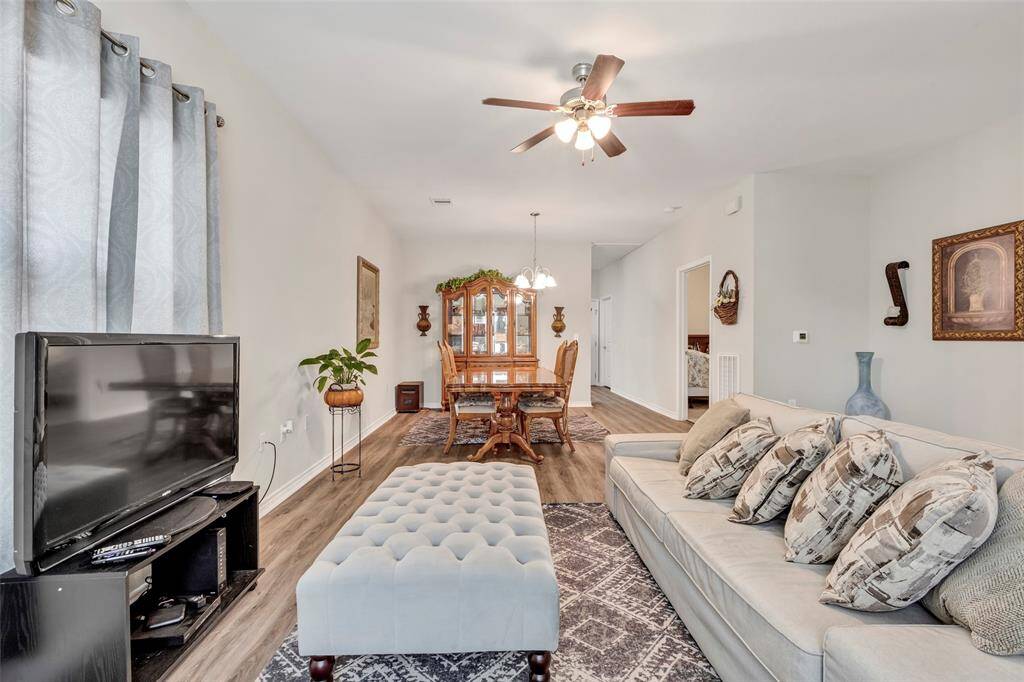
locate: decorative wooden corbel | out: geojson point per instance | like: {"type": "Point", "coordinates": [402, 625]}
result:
{"type": "Point", "coordinates": [892, 275]}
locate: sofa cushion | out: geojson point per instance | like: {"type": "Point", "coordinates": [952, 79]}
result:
{"type": "Point", "coordinates": [918, 448]}
{"type": "Point", "coordinates": [770, 604]}
{"type": "Point", "coordinates": [654, 488]}
{"type": "Point", "coordinates": [720, 471]}
{"type": "Point", "coordinates": [721, 418]}
{"type": "Point", "coordinates": [912, 653]}
{"type": "Point", "coordinates": [839, 496]}
{"type": "Point", "coordinates": [785, 418]}
{"type": "Point", "coordinates": [774, 481]}
{"type": "Point", "coordinates": [985, 593]}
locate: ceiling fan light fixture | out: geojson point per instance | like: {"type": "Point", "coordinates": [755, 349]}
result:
{"type": "Point", "coordinates": [565, 129]}
{"type": "Point", "coordinates": [584, 140]}
{"type": "Point", "coordinates": [599, 125]}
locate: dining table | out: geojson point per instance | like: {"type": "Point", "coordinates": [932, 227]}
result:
{"type": "Point", "coordinates": [506, 383]}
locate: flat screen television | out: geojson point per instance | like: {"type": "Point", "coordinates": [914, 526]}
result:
{"type": "Point", "coordinates": [111, 429]}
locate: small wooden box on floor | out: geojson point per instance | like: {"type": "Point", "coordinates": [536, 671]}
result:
{"type": "Point", "coordinates": [409, 396]}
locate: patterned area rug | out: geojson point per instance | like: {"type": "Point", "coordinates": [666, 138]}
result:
{"type": "Point", "coordinates": [616, 622]}
{"type": "Point", "coordinates": [431, 428]}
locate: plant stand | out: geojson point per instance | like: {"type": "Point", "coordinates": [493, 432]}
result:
{"type": "Point", "coordinates": [344, 467]}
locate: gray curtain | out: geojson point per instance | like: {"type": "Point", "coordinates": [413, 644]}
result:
{"type": "Point", "coordinates": [108, 193]}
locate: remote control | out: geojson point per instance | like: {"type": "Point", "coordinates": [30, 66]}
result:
{"type": "Point", "coordinates": [123, 555]}
{"type": "Point", "coordinates": [141, 543]}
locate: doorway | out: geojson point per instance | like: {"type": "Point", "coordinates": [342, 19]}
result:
{"type": "Point", "coordinates": [693, 338]}
{"type": "Point", "coordinates": [601, 341]}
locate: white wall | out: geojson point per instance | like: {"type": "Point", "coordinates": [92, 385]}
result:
{"type": "Point", "coordinates": [698, 287]}
{"type": "Point", "coordinates": [643, 287]}
{"type": "Point", "coordinates": [970, 388]}
{"type": "Point", "coordinates": [291, 230]}
{"type": "Point", "coordinates": [429, 261]}
{"type": "Point", "coordinates": [811, 249]}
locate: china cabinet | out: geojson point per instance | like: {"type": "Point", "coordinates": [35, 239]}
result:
{"type": "Point", "coordinates": [489, 322]}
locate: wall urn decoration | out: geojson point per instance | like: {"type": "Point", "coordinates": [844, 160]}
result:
{"type": "Point", "coordinates": [727, 302]}
{"type": "Point", "coordinates": [558, 323]}
{"type": "Point", "coordinates": [978, 285]}
{"type": "Point", "coordinates": [423, 324]}
{"type": "Point", "coordinates": [898, 314]}
{"type": "Point", "coordinates": [864, 401]}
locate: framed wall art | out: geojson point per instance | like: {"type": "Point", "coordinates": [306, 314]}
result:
{"type": "Point", "coordinates": [367, 302]}
{"type": "Point", "coordinates": [978, 285]}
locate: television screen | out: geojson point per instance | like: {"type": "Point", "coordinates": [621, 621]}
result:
{"type": "Point", "coordinates": [123, 425]}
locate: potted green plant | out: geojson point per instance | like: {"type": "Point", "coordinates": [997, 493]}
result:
{"type": "Point", "coordinates": [341, 372]}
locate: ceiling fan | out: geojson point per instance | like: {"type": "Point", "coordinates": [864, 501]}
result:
{"type": "Point", "coordinates": [587, 113]}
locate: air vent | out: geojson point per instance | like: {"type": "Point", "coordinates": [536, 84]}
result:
{"type": "Point", "coordinates": [440, 202]}
{"type": "Point", "coordinates": [728, 378]}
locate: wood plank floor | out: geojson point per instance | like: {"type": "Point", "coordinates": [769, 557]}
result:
{"type": "Point", "coordinates": [294, 532]}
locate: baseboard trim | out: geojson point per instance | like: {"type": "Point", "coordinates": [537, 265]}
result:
{"type": "Point", "coordinates": [281, 494]}
{"type": "Point", "coordinates": [671, 414]}
{"type": "Point", "coordinates": [580, 403]}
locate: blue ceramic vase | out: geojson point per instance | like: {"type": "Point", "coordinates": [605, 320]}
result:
{"type": "Point", "coordinates": [864, 401]}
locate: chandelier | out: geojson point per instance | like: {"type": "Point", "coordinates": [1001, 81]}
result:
{"type": "Point", "coordinates": [535, 277]}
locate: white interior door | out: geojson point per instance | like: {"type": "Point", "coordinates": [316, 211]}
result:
{"type": "Point", "coordinates": [607, 341]}
{"type": "Point", "coordinates": [595, 342]}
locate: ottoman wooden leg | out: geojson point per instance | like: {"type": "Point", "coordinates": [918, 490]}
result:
{"type": "Point", "coordinates": [539, 661]}
{"type": "Point", "coordinates": [321, 668]}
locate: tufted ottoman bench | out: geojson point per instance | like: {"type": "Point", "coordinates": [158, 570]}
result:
{"type": "Point", "coordinates": [441, 558]}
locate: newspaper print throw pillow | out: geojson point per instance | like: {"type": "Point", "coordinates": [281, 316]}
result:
{"type": "Point", "coordinates": [770, 488]}
{"type": "Point", "coordinates": [916, 537]}
{"type": "Point", "coordinates": [839, 496]}
{"type": "Point", "coordinates": [720, 471]}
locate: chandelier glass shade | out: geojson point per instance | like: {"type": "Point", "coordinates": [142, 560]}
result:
{"type": "Point", "coordinates": [535, 277]}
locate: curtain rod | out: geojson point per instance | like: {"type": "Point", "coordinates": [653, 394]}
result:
{"type": "Point", "coordinates": [143, 66]}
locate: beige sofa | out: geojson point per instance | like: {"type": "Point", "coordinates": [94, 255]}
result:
{"type": "Point", "coordinates": [756, 616]}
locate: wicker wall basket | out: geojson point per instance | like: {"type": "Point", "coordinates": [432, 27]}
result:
{"type": "Point", "coordinates": [728, 312]}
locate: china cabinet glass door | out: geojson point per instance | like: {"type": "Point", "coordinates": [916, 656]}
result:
{"type": "Point", "coordinates": [524, 323]}
{"type": "Point", "coordinates": [478, 338]}
{"type": "Point", "coordinates": [499, 321]}
{"type": "Point", "coordinates": [456, 323]}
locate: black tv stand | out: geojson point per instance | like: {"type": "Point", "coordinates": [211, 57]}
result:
{"type": "Point", "coordinates": [74, 622]}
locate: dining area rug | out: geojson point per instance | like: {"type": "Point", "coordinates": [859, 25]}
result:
{"type": "Point", "coordinates": [431, 428]}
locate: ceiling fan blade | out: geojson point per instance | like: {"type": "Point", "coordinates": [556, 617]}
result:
{"type": "Point", "coordinates": [606, 68]}
{"type": "Point", "coordinates": [611, 144]}
{"type": "Point", "coordinates": [669, 107]}
{"type": "Point", "coordinates": [520, 104]}
{"type": "Point", "coordinates": [531, 141]}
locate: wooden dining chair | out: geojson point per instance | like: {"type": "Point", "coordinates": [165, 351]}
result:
{"type": "Point", "coordinates": [555, 408]}
{"type": "Point", "coordinates": [465, 407]}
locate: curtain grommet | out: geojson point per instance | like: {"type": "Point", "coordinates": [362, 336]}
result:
{"type": "Point", "coordinates": [66, 7]}
{"type": "Point", "coordinates": [147, 71]}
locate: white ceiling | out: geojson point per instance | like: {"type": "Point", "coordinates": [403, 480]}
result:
{"type": "Point", "coordinates": [606, 254]}
{"type": "Point", "coordinates": [392, 92]}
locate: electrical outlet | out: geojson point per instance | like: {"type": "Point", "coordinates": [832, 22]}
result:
{"type": "Point", "coordinates": [286, 428]}
{"type": "Point", "coordinates": [263, 439]}
{"type": "Point", "coordinates": [801, 336]}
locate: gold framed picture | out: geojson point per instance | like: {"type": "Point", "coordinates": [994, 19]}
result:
{"type": "Point", "coordinates": [367, 302]}
{"type": "Point", "coordinates": [978, 285]}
